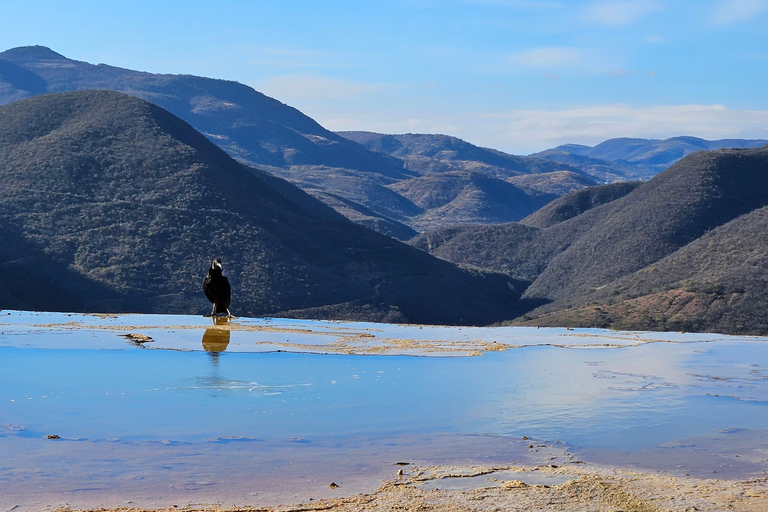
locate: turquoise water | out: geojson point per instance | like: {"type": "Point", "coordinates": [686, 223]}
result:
{"type": "Point", "coordinates": [139, 421]}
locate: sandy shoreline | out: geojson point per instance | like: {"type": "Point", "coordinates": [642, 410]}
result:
{"type": "Point", "coordinates": [588, 488]}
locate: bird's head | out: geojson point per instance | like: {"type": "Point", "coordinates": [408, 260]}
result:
{"type": "Point", "coordinates": [216, 265]}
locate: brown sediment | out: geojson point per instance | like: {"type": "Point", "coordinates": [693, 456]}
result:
{"type": "Point", "coordinates": [348, 339]}
{"type": "Point", "coordinates": [341, 340]}
{"type": "Point", "coordinates": [589, 489]}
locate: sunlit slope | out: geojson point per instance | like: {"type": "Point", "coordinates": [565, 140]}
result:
{"type": "Point", "coordinates": [576, 203]}
{"type": "Point", "coordinates": [699, 193]}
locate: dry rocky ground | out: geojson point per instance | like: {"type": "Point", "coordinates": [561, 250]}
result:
{"type": "Point", "coordinates": [589, 489]}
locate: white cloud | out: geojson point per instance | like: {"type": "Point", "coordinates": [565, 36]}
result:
{"type": "Point", "coordinates": [534, 130]}
{"type": "Point", "coordinates": [528, 131]}
{"type": "Point", "coordinates": [619, 13]}
{"type": "Point", "coordinates": [297, 88]}
{"type": "Point", "coordinates": [548, 57]}
{"type": "Point", "coordinates": [292, 58]}
{"type": "Point", "coordinates": [734, 11]}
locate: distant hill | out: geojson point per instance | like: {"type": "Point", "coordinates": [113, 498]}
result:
{"type": "Point", "coordinates": [606, 171]}
{"type": "Point", "coordinates": [459, 182]}
{"type": "Point", "coordinates": [576, 203]}
{"type": "Point", "coordinates": [462, 197]}
{"type": "Point", "coordinates": [428, 154]}
{"type": "Point", "coordinates": [511, 247]}
{"type": "Point", "coordinates": [681, 251]}
{"type": "Point", "coordinates": [633, 159]}
{"type": "Point", "coordinates": [110, 203]}
{"type": "Point", "coordinates": [555, 183]}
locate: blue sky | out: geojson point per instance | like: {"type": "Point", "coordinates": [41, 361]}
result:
{"type": "Point", "coordinates": [515, 75]}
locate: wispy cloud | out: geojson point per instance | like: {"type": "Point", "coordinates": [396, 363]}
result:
{"type": "Point", "coordinates": [619, 13]}
{"type": "Point", "coordinates": [734, 11]}
{"type": "Point", "coordinates": [621, 72]}
{"type": "Point", "coordinates": [539, 129]}
{"type": "Point", "coordinates": [529, 131]}
{"type": "Point", "coordinates": [295, 88]}
{"type": "Point", "coordinates": [526, 4]}
{"type": "Point", "coordinates": [288, 57]}
{"type": "Point", "coordinates": [655, 39]}
{"type": "Point", "coordinates": [551, 57]}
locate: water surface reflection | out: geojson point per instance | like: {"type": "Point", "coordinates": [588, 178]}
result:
{"type": "Point", "coordinates": [206, 405]}
{"type": "Point", "coordinates": [216, 339]}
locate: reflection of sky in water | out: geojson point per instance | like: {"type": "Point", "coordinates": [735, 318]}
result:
{"type": "Point", "coordinates": [629, 398]}
{"type": "Point", "coordinates": [632, 398]}
{"type": "Point", "coordinates": [210, 402]}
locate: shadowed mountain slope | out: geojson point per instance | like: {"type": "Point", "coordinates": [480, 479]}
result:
{"type": "Point", "coordinates": [522, 251]}
{"type": "Point", "coordinates": [121, 205]}
{"type": "Point", "coordinates": [683, 251]}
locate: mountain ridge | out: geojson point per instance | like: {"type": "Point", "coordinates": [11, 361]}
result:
{"type": "Point", "coordinates": [635, 158]}
{"type": "Point", "coordinates": [255, 129]}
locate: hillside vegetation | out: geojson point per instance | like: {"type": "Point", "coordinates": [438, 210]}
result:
{"type": "Point", "coordinates": [110, 203]}
{"type": "Point", "coordinates": [685, 250]}
{"type": "Point", "coordinates": [574, 204]}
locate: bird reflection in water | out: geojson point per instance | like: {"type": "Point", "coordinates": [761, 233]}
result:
{"type": "Point", "coordinates": [216, 339]}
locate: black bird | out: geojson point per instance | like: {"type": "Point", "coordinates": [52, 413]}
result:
{"type": "Point", "coordinates": [217, 289]}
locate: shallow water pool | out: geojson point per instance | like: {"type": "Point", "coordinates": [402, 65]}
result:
{"type": "Point", "coordinates": [266, 411]}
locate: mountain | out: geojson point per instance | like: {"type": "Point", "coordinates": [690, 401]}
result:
{"type": "Point", "coordinates": [556, 183]}
{"type": "Point", "coordinates": [680, 251]}
{"type": "Point", "coordinates": [716, 283]}
{"type": "Point", "coordinates": [699, 193]}
{"type": "Point", "coordinates": [633, 159]}
{"type": "Point", "coordinates": [111, 203]}
{"type": "Point", "coordinates": [429, 154]}
{"type": "Point", "coordinates": [576, 203]}
{"type": "Point", "coordinates": [459, 182]}
{"type": "Point", "coordinates": [462, 197]}
{"type": "Point", "coordinates": [512, 248]}
{"type": "Point", "coordinates": [606, 171]}
{"type": "Point", "coordinates": [265, 133]}
{"type": "Point", "coordinates": [251, 127]}
{"type": "Point", "coordinates": [247, 124]}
